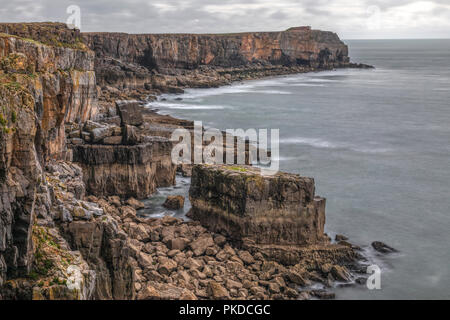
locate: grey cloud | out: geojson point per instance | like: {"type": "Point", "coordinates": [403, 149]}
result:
{"type": "Point", "coordinates": [348, 18]}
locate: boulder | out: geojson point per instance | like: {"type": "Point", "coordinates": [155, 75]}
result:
{"type": "Point", "coordinates": [177, 244]}
{"type": "Point", "coordinates": [174, 202]}
{"type": "Point", "coordinates": [243, 203]}
{"type": "Point", "coordinates": [98, 134]}
{"type": "Point", "coordinates": [130, 113]}
{"type": "Point", "coordinates": [382, 247]}
{"type": "Point", "coordinates": [135, 204]}
{"type": "Point", "coordinates": [200, 245]}
{"type": "Point", "coordinates": [112, 140]}
{"type": "Point", "coordinates": [246, 257]}
{"type": "Point", "coordinates": [340, 237]}
{"type": "Point", "coordinates": [216, 291]}
{"type": "Point", "coordinates": [130, 135]}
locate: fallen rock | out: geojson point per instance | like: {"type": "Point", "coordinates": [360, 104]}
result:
{"type": "Point", "coordinates": [112, 140]}
{"type": "Point", "coordinates": [340, 273]}
{"type": "Point", "coordinates": [135, 204]}
{"type": "Point", "coordinates": [130, 113]}
{"type": "Point", "coordinates": [174, 202]}
{"type": "Point", "coordinates": [216, 291]}
{"type": "Point", "coordinates": [149, 293]}
{"type": "Point", "coordinates": [167, 266]}
{"type": "Point", "coordinates": [382, 247]}
{"type": "Point", "coordinates": [246, 257]}
{"type": "Point", "coordinates": [177, 244]}
{"type": "Point", "coordinates": [199, 246]}
{"type": "Point", "coordinates": [340, 237]}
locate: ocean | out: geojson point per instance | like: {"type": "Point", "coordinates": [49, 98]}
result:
{"type": "Point", "coordinates": [377, 143]}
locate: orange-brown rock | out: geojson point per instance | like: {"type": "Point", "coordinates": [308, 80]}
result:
{"type": "Point", "coordinates": [246, 205]}
{"type": "Point", "coordinates": [203, 60]}
{"type": "Point", "coordinates": [127, 171]}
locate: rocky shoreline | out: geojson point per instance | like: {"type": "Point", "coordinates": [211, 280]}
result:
{"type": "Point", "coordinates": [76, 159]}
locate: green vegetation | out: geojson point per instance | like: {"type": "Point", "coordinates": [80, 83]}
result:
{"type": "Point", "coordinates": [240, 169]}
{"type": "Point", "coordinates": [52, 42]}
{"type": "Point", "coordinates": [3, 121]}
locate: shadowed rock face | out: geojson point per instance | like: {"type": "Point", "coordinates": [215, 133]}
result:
{"type": "Point", "coordinates": [127, 171]}
{"type": "Point", "coordinates": [188, 51]}
{"type": "Point", "coordinates": [247, 206]}
{"type": "Point", "coordinates": [41, 88]}
{"type": "Point", "coordinates": [131, 59]}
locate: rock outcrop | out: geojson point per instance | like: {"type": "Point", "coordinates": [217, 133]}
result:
{"type": "Point", "coordinates": [126, 171]}
{"type": "Point", "coordinates": [41, 88]}
{"type": "Point", "coordinates": [69, 161]}
{"type": "Point", "coordinates": [203, 60]}
{"type": "Point", "coordinates": [277, 215]}
{"type": "Point", "coordinates": [279, 209]}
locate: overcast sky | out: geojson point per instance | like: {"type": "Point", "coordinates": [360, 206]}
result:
{"type": "Point", "coordinates": [360, 19]}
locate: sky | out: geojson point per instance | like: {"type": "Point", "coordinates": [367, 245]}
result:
{"type": "Point", "coordinates": [351, 19]}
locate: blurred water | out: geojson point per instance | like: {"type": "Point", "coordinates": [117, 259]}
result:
{"type": "Point", "coordinates": [377, 143]}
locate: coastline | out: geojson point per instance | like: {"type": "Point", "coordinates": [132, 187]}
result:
{"type": "Point", "coordinates": [106, 155]}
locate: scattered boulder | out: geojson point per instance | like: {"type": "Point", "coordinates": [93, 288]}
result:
{"type": "Point", "coordinates": [174, 202]}
{"type": "Point", "coordinates": [216, 291]}
{"type": "Point", "coordinates": [340, 273]}
{"type": "Point", "coordinates": [130, 113]}
{"type": "Point", "coordinates": [340, 237]}
{"type": "Point", "coordinates": [135, 204]}
{"type": "Point", "coordinates": [130, 135]}
{"type": "Point", "coordinates": [177, 244]}
{"type": "Point", "coordinates": [200, 245]}
{"type": "Point", "coordinates": [246, 257]}
{"type": "Point", "coordinates": [113, 140]}
{"type": "Point", "coordinates": [382, 247]}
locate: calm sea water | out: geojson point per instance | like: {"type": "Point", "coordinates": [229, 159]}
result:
{"type": "Point", "coordinates": [377, 143]}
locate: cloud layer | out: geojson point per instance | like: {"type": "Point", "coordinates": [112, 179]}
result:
{"type": "Point", "coordinates": [364, 19]}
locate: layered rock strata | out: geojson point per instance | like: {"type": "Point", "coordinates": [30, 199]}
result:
{"type": "Point", "coordinates": [277, 215]}
{"type": "Point", "coordinates": [41, 88]}
{"type": "Point", "coordinates": [55, 233]}
{"type": "Point", "coordinates": [277, 209]}
{"type": "Point", "coordinates": [168, 62]}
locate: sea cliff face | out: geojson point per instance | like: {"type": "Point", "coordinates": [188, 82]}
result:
{"type": "Point", "coordinates": [131, 60]}
{"type": "Point", "coordinates": [73, 160]}
{"type": "Point", "coordinates": [42, 87]}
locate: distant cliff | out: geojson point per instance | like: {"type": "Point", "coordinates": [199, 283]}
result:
{"type": "Point", "coordinates": [132, 59]}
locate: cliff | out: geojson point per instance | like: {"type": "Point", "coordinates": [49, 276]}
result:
{"type": "Point", "coordinates": [41, 88]}
{"type": "Point", "coordinates": [71, 158]}
{"type": "Point", "coordinates": [131, 60]}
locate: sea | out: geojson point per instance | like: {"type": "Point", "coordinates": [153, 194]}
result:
{"type": "Point", "coordinates": [376, 141]}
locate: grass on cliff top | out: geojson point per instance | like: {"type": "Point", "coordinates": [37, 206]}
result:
{"type": "Point", "coordinates": [240, 169]}
{"type": "Point", "coordinates": [49, 257]}
{"type": "Point", "coordinates": [78, 44]}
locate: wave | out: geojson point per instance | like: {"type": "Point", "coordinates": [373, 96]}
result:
{"type": "Point", "coordinates": [313, 142]}
{"type": "Point", "coordinates": [324, 144]}
{"type": "Point", "coordinates": [183, 106]}
{"type": "Point", "coordinates": [306, 85]}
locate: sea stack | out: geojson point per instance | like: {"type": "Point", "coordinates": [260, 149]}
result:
{"type": "Point", "coordinates": [279, 209]}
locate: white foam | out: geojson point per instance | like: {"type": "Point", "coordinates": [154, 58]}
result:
{"type": "Point", "coordinates": [313, 142]}
{"type": "Point", "coordinates": [185, 106]}
{"type": "Point", "coordinates": [324, 144]}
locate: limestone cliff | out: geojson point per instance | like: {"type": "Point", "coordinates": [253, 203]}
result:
{"type": "Point", "coordinates": [41, 88]}
{"type": "Point", "coordinates": [132, 59]}
{"type": "Point", "coordinates": [56, 214]}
